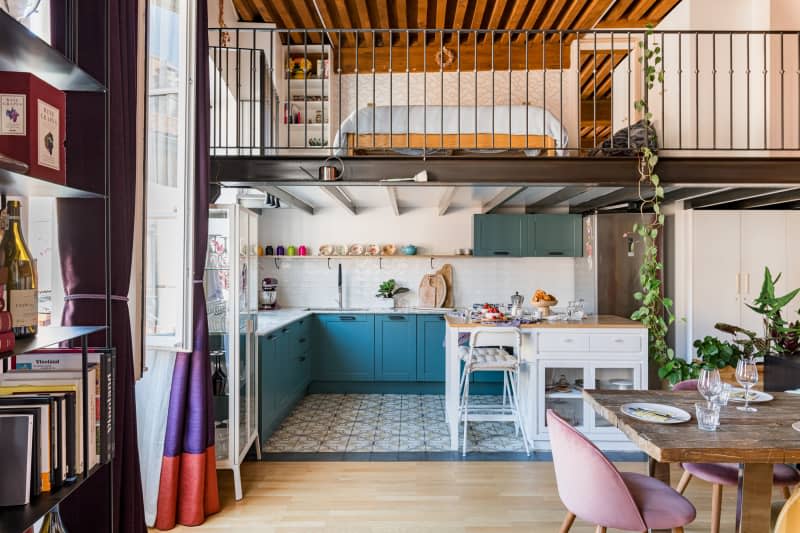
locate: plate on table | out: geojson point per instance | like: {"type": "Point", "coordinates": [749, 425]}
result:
{"type": "Point", "coordinates": [793, 391]}
{"type": "Point", "coordinates": [796, 426]}
{"type": "Point", "coordinates": [737, 395]}
{"type": "Point", "coordinates": [656, 413]}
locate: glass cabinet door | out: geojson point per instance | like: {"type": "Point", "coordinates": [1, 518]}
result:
{"type": "Point", "coordinates": [614, 377]}
{"type": "Point", "coordinates": [561, 387]}
{"type": "Point", "coordinates": [217, 284]}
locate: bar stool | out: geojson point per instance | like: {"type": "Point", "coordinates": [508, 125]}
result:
{"type": "Point", "coordinates": [486, 353]}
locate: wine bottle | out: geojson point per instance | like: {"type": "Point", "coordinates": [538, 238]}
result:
{"type": "Point", "coordinates": [22, 295]}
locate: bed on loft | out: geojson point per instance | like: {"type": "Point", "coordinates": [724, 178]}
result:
{"type": "Point", "coordinates": [434, 129]}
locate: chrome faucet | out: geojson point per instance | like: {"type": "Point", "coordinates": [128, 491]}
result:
{"type": "Point", "coordinates": [340, 286]}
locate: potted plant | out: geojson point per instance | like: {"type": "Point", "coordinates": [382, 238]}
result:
{"type": "Point", "coordinates": [780, 344]}
{"type": "Point", "coordinates": [715, 353]}
{"type": "Point", "coordinates": [386, 293]}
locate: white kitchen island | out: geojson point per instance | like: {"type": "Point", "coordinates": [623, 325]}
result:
{"type": "Point", "coordinates": [597, 352]}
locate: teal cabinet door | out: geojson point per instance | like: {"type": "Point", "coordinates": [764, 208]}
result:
{"type": "Point", "coordinates": [395, 348]}
{"type": "Point", "coordinates": [299, 362]}
{"type": "Point", "coordinates": [430, 348]}
{"type": "Point", "coordinates": [553, 236]}
{"type": "Point", "coordinates": [498, 235]}
{"type": "Point", "coordinates": [283, 374]}
{"type": "Point", "coordinates": [346, 347]}
{"type": "Point", "coordinates": [268, 385]}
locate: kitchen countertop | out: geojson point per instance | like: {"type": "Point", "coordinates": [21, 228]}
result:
{"type": "Point", "coordinates": [269, 321]}
{"type": "Point", "coordinates": [590, 322]}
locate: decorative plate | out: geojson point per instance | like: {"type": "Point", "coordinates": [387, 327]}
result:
{"type": "Point", "coordinates": [737, 395]}
{"type": "Point", "coordinates": [356, 249]}
{"type": "Point", "coordinates": [656, 413]}
{"type": "Point", "coordinates": [326, 249]}
{"type": "Point", "coordinates": [340, 249]}
{"type": "Point", "coordinates": [389, 249]}
{"type": "Point", "coordinates": [796, 426]}
{"type": "Point", "coordinates": [373, 249]}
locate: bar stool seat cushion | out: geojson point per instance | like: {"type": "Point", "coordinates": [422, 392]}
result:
{"type": "Point", "coordinates": [489, 358]}
{"type": "Point", "coordinates": [660, 505]}
{"type": "Point", "coordinates": [728, 473]}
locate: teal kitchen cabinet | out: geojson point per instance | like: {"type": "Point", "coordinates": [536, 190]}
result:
{"type": "Point", "coordinates": [345, 346]}
{"type": "Point", "coordinates": [299, 361]}
{"type": "Point", "coordinates": [395, 347]}
{"type": "Point", "coordinates": [553, 235]}
{"type": "Point", "coordinates": [270, 384]}
{"type": "Point", "coordinates": [430, 348]}
{"type": "Point", "coordinates": [498, 235]}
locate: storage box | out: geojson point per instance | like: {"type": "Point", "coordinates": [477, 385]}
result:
{"type": "Point", "coordinates": [33, 125]}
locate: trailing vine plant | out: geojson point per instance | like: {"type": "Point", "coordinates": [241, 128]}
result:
{"type": "Point", "coordinates": [656, 310]}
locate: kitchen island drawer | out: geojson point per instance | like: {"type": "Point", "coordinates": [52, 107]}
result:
{"type": "Point", "coordinates": [563, 342]}
{"type": "Point", "coordinates": [615, 343]}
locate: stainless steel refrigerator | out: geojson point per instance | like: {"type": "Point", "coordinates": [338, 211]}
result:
{"type": "Point", "coordinates": [608, 273]}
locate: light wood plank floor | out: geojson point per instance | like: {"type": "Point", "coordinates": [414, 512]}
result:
{"type": "Point", "coordinates": [418, 497]}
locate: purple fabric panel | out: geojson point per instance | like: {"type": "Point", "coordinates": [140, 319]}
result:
{"type": "Point", "coordinates": [177, 406]}
{"type": "Point", "coordinates": [82, 241]}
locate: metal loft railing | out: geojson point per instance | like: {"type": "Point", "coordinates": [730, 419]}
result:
{"type": "Point", "coordinates": [501, 92]}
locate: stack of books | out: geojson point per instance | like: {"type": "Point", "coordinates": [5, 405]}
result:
{"type": "Point", "coordinates": [6, 335]}
{"type": "Point", "coordinates": [43, 391]}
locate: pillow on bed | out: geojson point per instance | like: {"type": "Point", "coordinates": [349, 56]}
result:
{"type": "Point", "coordinates": [639, 134]}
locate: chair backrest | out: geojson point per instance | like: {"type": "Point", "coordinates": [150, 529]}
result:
{"type": "Point", "coordinates": [789, 517]}
{"type": "Point", "coordinates": [686, 385]}
{"type": "Point", "coordinates": [589, 485]}
{"type": "Point", "coordinates": [495, 337]}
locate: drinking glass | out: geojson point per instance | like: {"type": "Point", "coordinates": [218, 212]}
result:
{"type": "Point", "coordinates": [747, 376]}
{"type": "Point", "coordinates": [724, 395]}
{"type": "Point", "coordinates": [709, 383]}
{"type": "Point", "coordinates": [707, 415]}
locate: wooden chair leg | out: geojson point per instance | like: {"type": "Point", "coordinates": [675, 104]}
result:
{"type": "Point", "coordinates": [567, 524]}
{"type": "Point", "coordinates": [684, 482]}
{"type": "Point", "coordinates": [787, 492]}
{"type": "Point", "coordinates": [677, 530]}
{"type": "Point", "coordinates": [600, 529]}
{"type": "Point", "coordinates": [716, 507]}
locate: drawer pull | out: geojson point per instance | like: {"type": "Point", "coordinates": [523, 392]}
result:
{"type": "Point", "coordinates": [284, 330]}
{"type": "Point", "coordinates": [555, 253]}
{"type": "Point", "coordinates": [619, 341]}
{"type": "Point", "coordinates": [301, 341]}
{"type": "Point", "coordinates": [501, 252]}
{"type": "Point", "coordinates": [302, 359]}
{"type": "Point", "coordinates": [270, 337]}
{"type": "Point", "coordinates": [569, 341]}
{"type": "Point", "coordinates": [396, 317]}
{"type": "Point", "coordinates": [347, 317]}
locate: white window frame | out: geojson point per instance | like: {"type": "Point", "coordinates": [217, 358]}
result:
{"type": "Point", "coordinates": [182, 339]}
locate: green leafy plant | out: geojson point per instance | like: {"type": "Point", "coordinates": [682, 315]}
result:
{"type": "Point", "coordinates": [389, 289]}
{"type": "Point", "coordinates": [715, 353]}
{"type": "Point", "coordinates": [780, 336]}
{"type": "Point", "coordinates": [655, 310]}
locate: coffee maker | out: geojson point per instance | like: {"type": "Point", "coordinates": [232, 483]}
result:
{"type": "Point", "coordinates": [268, 297]}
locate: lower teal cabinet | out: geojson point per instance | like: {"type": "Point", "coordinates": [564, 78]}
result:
{"type": "Point", "coordinates": [430, 348]}
{"type": "Point", "coordinates": [269, 384]}
{"type": "Point", "coordinates": [395, 347]}
{"type": "Point", "coordinates": [345, 347]}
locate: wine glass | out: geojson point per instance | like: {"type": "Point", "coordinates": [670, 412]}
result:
{"type": "Point", "coordinates": [747, 376]}
{"type": "Point", "coordinates": [709, 383]}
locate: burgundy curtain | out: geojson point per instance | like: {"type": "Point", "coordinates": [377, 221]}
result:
{"type": "Point", "coordinates": [81, 241]}
{"type": "Point", "coordinates": [187, 490]}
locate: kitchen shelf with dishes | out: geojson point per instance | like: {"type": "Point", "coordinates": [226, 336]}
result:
{"type": "Point", "coordinates": [33, 70]}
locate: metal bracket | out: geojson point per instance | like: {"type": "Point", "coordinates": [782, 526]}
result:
{"type": "Point", "coordinates": [431, 262]}
{"type": "Point", "coordinates": [277, 264]}
{"type": "Point", "coordinates": [380, 263]}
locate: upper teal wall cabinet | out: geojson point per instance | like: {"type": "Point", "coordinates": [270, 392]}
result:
{"type": "Point", "coordinates": [553, 236]}
{"type": "Point", "coordinates": [528, 235]}
{"type": "Point", "coordinates": [498, 235]}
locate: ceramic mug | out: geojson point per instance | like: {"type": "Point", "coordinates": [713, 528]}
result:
{"type": "Point", "coordinates": [280, 251]}
{"type": "Point", "coordinates": [291, 250]}
{"type": "Point", "coordinates": [269, 250]}
{"type": "Point", "coordinates": [302, 250]}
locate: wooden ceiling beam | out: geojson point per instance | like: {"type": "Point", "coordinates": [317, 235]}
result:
{"type": "Point", "coordinates": [617, 11]}
{"type": "Point", "coordinates": [445, 200]}
{"type": "Point", "coordinates": [552, 58]}
{"type": "Point", "coordinates": [477, 18]}
{"type": "Point", "coordinates": [441, 14]}
{"type": "Point", "coordinates": [336, 192]}
{"type": "Point", "coordinates": [500, 198]}
{"type": "Point", "coordinates": [641, 8]}
{"type": "Point", "coordinates": [620, 196]}
{"type": "Point", "coordinates": [494, 19]}
{"type": "Point", "coordinates": [327, 20]}
{"type": "Point", "coordinates": [364, 23]}
{"type": "Point", "coordinates": [279, 13]}
{"type": "Point", "coordinates": [459, 18]}
{"type": "Point", "coordinates": [531, 17]}
{"type": "Point", "coordinates": [340, 8]}
{"type": "Point", "coordinates": [308, 19]}
{"type": "Point", "coordinates": [245, 10]}
{"type": "Point", "coordinates": [391, 193]}
{"type": "Point", "coordinates": [287, 198]}
{"type": "Point", "coordinates": [689, 193]}
{"type": "Point", "coordinates": [737, 194]}
{"type": "Point", "coordinates": [558, 197]}
{"type": "Point", "coordinates": [401, 15]}
{"type": "Point", "coordinates": [785, 196]}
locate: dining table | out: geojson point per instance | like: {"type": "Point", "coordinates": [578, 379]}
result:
{"type": "Point", "coordinates": [754, 440]}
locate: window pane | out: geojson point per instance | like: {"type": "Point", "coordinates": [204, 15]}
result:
{"type": "Point", "coordinates": [168, 230]}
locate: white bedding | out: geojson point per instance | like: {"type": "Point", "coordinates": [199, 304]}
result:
{"type": "Point", "coordinates": [421, 119]}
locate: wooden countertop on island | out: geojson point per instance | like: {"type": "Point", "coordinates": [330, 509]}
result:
{"type": "Point", "coordinates": [590, 322]}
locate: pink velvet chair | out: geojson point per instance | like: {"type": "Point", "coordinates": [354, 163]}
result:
{"type": "Point", "coordinates": [722, 474]}
{"type": "Point", "coordinates": [592, 488]}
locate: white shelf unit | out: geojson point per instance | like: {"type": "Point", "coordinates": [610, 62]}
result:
{"type": "Point", "coordinates": [305, 114]}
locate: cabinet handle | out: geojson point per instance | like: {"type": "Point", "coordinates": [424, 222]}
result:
{"type": "Point", "coordinates": [569, 341]}
{"type": "Point", "coordinates": [284, 330]}
{"type": "Point", "coordinates": [738, 283]}
{"type": "Point", "coordinates": [301, 341]}
{"type": "Point", "coordinates": [747, 283]}
{"type": "Point", "coordinates": [396, 317]}
{"type": "Point", "coordinates": [501, 252]}
{"type": "Point", "coordinates": [619, 341]}
{"type": "Point", "coordinates": [441, 317]}
{"type": "Point", "coordinates": [302, 359]}
{"type": "Point", "coordinates": [555, 253]}
{"type": "Point", "coordinates": [347, 317]}
{"type": "Point", "coordinates": [270, 337]}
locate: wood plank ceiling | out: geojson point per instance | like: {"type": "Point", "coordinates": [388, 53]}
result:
{"type": "Point", "coordinates": [476, 50]}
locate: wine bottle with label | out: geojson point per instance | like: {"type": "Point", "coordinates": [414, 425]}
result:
{"type": "Point", "coordinates": [22, 296]}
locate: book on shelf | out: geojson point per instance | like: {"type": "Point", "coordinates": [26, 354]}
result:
{"type": "Point", "coordinates": [41, 414]}
{"type": "Point", "coordinates": [16, 441]}
{"type": "Point", "coordinates": [47, 381]}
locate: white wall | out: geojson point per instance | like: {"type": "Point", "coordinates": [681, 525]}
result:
{"type": "Point", "coordinates": [311, 283]}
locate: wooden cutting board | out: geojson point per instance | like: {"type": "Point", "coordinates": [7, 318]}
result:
{"type": "Point", "coordinates": [432, 290]}
{"type": "Point", "coordinates": [447, 273]}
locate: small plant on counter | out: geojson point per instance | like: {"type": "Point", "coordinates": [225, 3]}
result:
{"type": "Point", "coordinates": [389, 289]}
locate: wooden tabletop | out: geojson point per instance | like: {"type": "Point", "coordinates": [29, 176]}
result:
{"type": "Point", "coordinates": [592, 321]}
{"type": "Point", "coordinates": [765, 436]}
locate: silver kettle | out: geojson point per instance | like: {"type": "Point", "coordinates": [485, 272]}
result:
{"type": "Point", "coordinates": [516, 304]}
